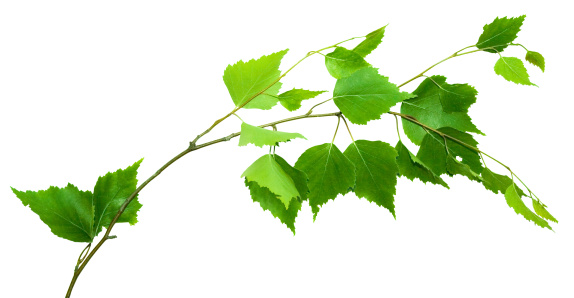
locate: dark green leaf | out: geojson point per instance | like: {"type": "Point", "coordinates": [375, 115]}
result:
{"type": "Point", "coordinates": [264, 137]}
{"type": "Point", "coordinates": [291, 99]}
{"type": "Point", "coordinates": [455, 167]}
{"type": "Point", "coordinates": [412, 167]}
{"type": "Point", "coordinates": [366, 95]}
{"type": "Point", "coordinates": [515, 202]}
{"type": "Point", "coordinates": [498, 34]}
{"type": "Point", "coordinates": [535, 59]}
{"type": "Point", "coordinates": [330, 173]}
{"type": "Point", "coordinates": [376, 169]}
{"type": "Point", "coordinates": [370, 43]}
{"type": "Point", "coordinates": [342, 63]}
{"type": "Point", "coordinates": [439, 104]}
{"type": "Point", "coordinates": [512, 69]}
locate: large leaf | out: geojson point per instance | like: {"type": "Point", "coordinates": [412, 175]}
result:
{"type": "Point", "coordinates": [330, 173]}
{"type": "Point", "coordinates": [376, 170]}
{"type": "Point", "coordinates": [536, 59]}
{"type": "Point", "coordinates": [246, 80]}
{"type": "Point", "coordinates": [370, 43]}
{"type": "Point", "coordinates": [342, 63]}
{"type": "Point", "coordinates": [439, 104]}
{"type": "Point", "coordinates": [512, 69]}
{"type": "Point", "coordinates": [366, 95]}
{"type": "Point", "coordinates": [515, 202]}
{"type": "Point", "coordinates": [264, 137]}
{"type": "Point", "coordinates": [498, 34]}
{"type": "Point", "coordinates": [291, 99]}
{"type": "Point", "coordinates": [412, 167]}
{"type": "Point", "coordinates": [80, 215]}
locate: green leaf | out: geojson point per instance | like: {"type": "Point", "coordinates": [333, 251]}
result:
{"type": "Point", "coordinates": [366, 95]}
{"type": "Point", "coordinates": [540, 209]}
{"type": "Point", "coordinates": [269, 201]}
{"type": "Point", "coordinates": [244, 80]}
{"type": "Point", "coordinates": [376, 169]}
{"type": "Point", "coordinates": [455, 167]}
{"type": "Point", "coordinates": [515, 202]}
{"type": "Point", "coordinates": [370, 43]}
{"type": "Point", "coordinates": [512, 69]}
{"type": "Point", "coordinates": [342, 63]}
{"type": "Point", "coordinates": [412, 167]}
{"type": "Point", "coordinates": [67, 211]}
{"type": "Point", "coordinates": [80, 215]}
{"type": "Point", "coordinates": [291, 99]}
{"type": "Point", "coordinates": [330, 173]}
{"type": "Point", "coordinates": [439, 104]}
{"type": "Point", "coordinates": [261, 137]}
{"type": "Point", "coordinates": [498, 34]}
{"type": "Point", "coordinates": [535, 59]}
{"type": "Point", "coordinates": [268, 173]}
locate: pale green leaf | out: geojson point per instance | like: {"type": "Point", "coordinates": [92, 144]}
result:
{"type": "Point", "coordinates": [498, 34]}
{"type": "Point", "coordinates": [540, 209]}
{"type": "Point", "coordinates": [366, 95]}
{"type": "Point", "coordinates": [512, 69]}
{"type": "Point", "coordinates": [268, 173]}
{"type": "Point", "coordinates": [342, 63]}
{"type": "Point", "coordinates": [412, 167]}
{"type": "Point", "coordinates": [370, 43]}
{"type": "Point", "coordinates": [291, 99]}
{"type": "Point", "coordinates": [535, 59]}
{"type": "Point", "coordinates": [260, 137]}
{"type": "Point", "coordinates": [439, 104]}
{"type": "Point", "coordinates": [376, 169]}
{"type": "Point", "coordinates": [515, 202]}
{"type": "Point", "coordinates": [245, 80]}
{"type": "Point", "coordinates": [330, 173]}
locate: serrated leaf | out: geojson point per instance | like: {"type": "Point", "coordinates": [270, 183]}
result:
{"type": "Point", "coordinates": [376, 169]}
{"type": "Point", "coordinates": [264, 137]}
{"type": "Point", "coordinates": [498, 34]}
{"type": "Point", "coordinates": [330, 173]}
{"type": "Point", "coordinates": [512, 69]}
{"type": "Point", "coordinates": [268, 173]}
{"type": "Point", "coordinates": [366, 95]}
{"type": "Point", "coordinates": [370, 43]}
{"type": "Point", "coordinates": [67, 211]}
{"type": "Point", "coordinates": [455, 167]}
{"type": "Point", "coordinates": [412, 167]}
{"type": "Point", "coordinates": [542, 212]}
{"type": "Point", "coordinates": [515, 202]}
{"type": "Point", "coordinates": [291, 99]}
{"type": "Point", "coordinates": [269, 201]}
{"type": "Point", "coordinates": [342, 63]}
{"type": "Point", "coordinates": [439, 104]}
{"type": "Point", "coordinates": [535, 59]}
{"type": "Point", "coordinates": [244, 80]}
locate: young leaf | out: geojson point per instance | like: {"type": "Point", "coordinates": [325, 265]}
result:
{"type": "Point", "coordinates": [291, 99]}
{"type": "Point", "coordinates": [498, 34]}
{"type": "Point", "coordinates": [67, 211]}
{"type": "Point", "coordinates": [268, 173]}
{"type": "Point", "coordinates": [512, 69]}
{"type": "Point", "coordinates": [412, 167]}
{"type": "Point", "coordinates": [330, 173]}
{"type": "Point", "coordinates": [264, 137]}
{"type": "Point", "coordinates": [542, 212]}
{"type": "Point", "coordinates": [439, 104]}
{"type": "Point", "coordinates": [370, 43]}
{"type": "Point", "coordinates": [376, 169]}
{"type": "Point", "coordinates": [515, 202]}
{"type": "Point", "coordinates": [535, 59]}
{"type": "Point", "coordinates": [366, 95]}
{"type": "Point", "coordinates": [342, 63]}
{"type": "Point", "coordinates": [269, 201]}
{"type": "Point", "coordinates": [244, 80]}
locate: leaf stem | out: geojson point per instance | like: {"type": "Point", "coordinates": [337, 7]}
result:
{"type": "Point", "coordinates": [348, 129]}
{"type": "Point", "coordinates": [311, 109]}
{"type": "Point", "coordinates": [336, 129]}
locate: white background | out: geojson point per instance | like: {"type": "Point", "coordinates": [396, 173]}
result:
{"type": "Point", "coordinates": [90, 87]}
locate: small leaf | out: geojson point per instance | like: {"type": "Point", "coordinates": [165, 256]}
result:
{"type": "Point", "coordinates": [412, 167]}
{"type": "Point", "coordinates": [244, 80]}
{"type": "Point", "coordinates": [330, 173]}
{"type": "Point", "coordinates": [264, 137]}
{"type": "Point", "coordinates": [376, 169]}
{"type": "Point", "coordinates": [512, 69]}
{"type": "Point", "coordinates": [535, 59]}
{"type": "Point", "coordinates": [515, 202]}
{"type": "Point", "coordinates": [342, 63]}
{"type": "Point", "coordinates": [370, 43]}
{"type": "Point", "coordinates": [455, 167]}
{"type": "Point", "coordinates": [268, 173]}
{"type": "Point", "coordinates": [366, 95]}
{"type": "Point", "coordinates": [541, 210]}
{"type": "Point", "coordinates": [291, 99]}
{"type": "Point", "coordinates": [498, 34]}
